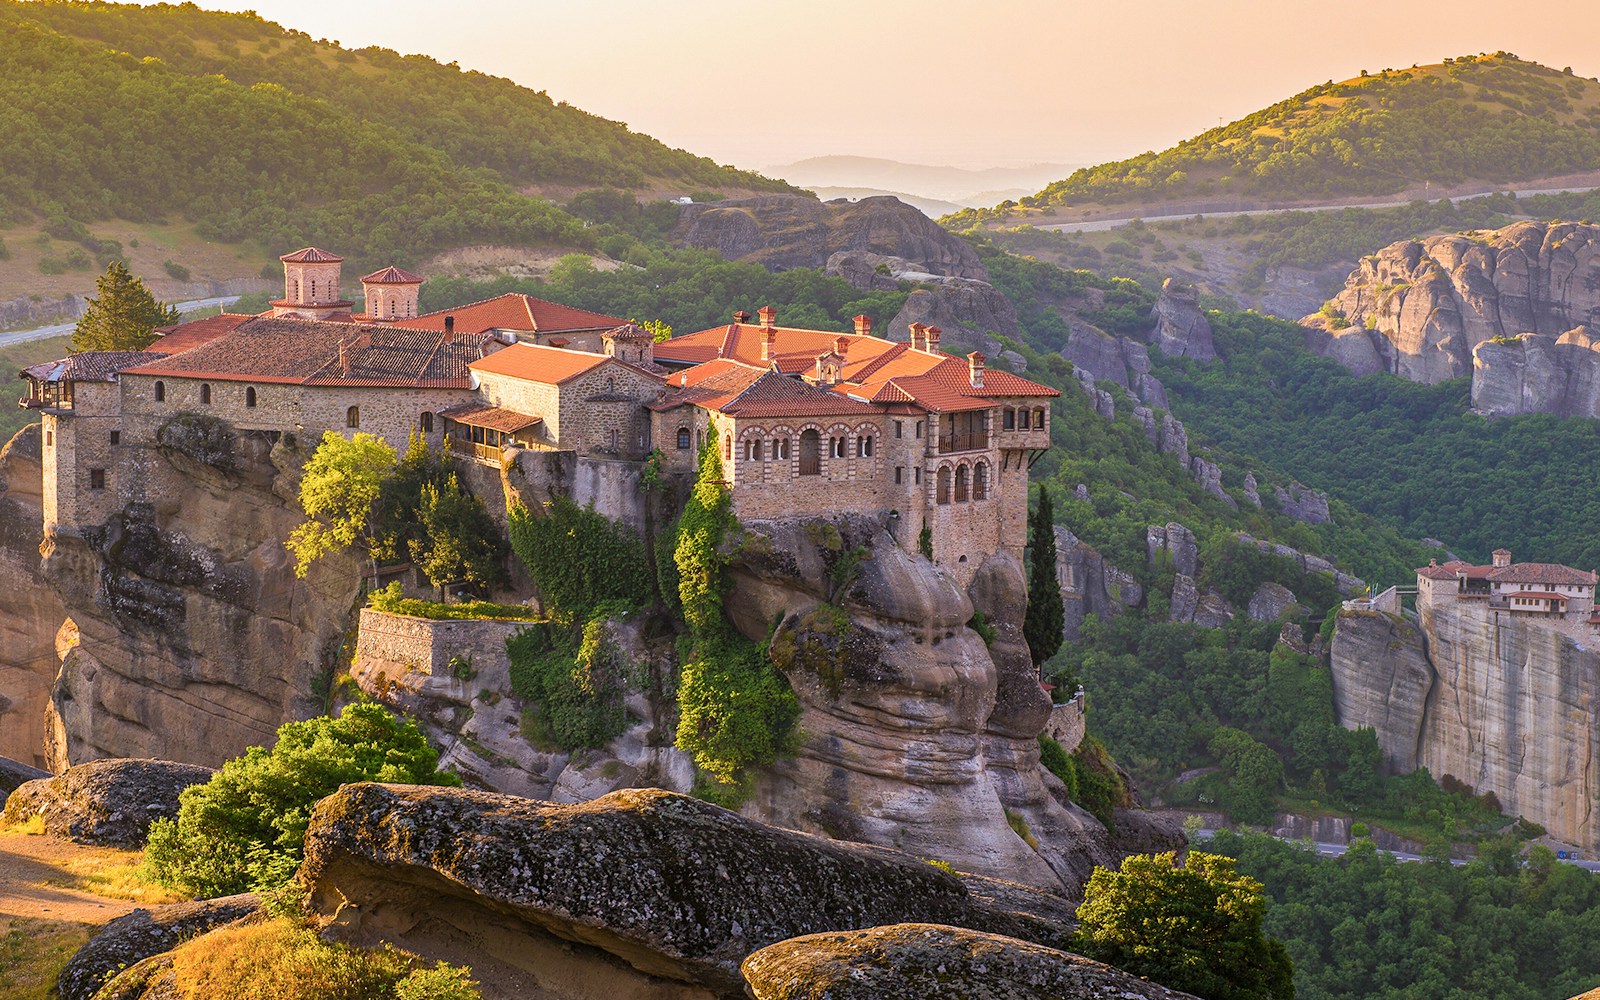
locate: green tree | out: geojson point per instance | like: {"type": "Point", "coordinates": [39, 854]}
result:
{"type": "Point", "coordinates": [1195, 927]}
{"type": "Point", "coordinates": [123, 314]}
{"type": "Point", "coordinates": [340, 484]}
{"type": "Point", "coordinates": [246, 827]}
{"type": "Point", "coordinates": [1041, 623]}
{"type": "Point", "coordinates": [459, 540]}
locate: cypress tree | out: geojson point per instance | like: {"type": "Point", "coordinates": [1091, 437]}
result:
{"type": "Point", "coordinates": [1041, 625]}
{"type": "Point", "coordinates": [122, 316]}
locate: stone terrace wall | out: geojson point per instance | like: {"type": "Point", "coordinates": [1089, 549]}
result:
{"type": "Point", "coordinates": [397, 644]}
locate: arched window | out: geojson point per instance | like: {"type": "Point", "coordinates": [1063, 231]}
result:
{"type": "Point", "coordinates": [752, 450]}
{"type": "Point", "coordinates": [836, 447]}
{"type": "Point", "coordinates": [683, 439]}
{"type": "Point", "coordinates": [961, 484]}
{"type": "Point", "coordinates": [250, 397]}
{"type": "Point", "coordinates": [864, 446]}
{"type": "Point", "coordinates": [611, 384]}
{"type": "Point", "coordinates": [810, 452]}
{"type": "Point", "coordinates": [980, 481]}
{"type": "Point", "coordinates": [1038, 418]}
{"type": "Point", "coordinates": [205, 393]}
{"type": "Point", "coordinates": [352, 417]}
{"type": "Point", "coordinates": [427, 422]}
{"type": "Point", "coordinates": [942, 490]}
{"type": "Point", "coordinates": [313, 289]}
{"type": "Point", "coordinates": [727, 447]}
{"type": "Point", "coordinates": [161, 391]}
{"type": "Point", "coordinates": [1022, 419]}
{"type": "Point", "coordinates": [1009, 419]}
{"type": "Point", "coordinates": [297, 289]}
{"type": "Point", "coordinates": [780, 449]}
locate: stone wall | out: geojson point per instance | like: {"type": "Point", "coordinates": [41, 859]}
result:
{"type": "Point", "coordinates": [397, 644]}
{"type": "Point", "coordinates": [613, 486]}
{"type": "Point", "coordinates": [1067, 724]}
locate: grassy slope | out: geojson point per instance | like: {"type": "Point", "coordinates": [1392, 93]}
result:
{"type": "Point", "coordinates": [1490, 118]}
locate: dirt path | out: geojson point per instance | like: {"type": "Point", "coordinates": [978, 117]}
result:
{"type": "Point", "coordinates": [40, 878]}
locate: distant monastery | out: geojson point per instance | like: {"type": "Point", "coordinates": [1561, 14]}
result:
{"type": "Point", "coordinates": [809, 422]}
{"type": "Point", "coordinates": [1545, 594]}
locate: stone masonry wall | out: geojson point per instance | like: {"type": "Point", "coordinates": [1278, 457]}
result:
{"type": "Point", "coordinates": [396, 644]}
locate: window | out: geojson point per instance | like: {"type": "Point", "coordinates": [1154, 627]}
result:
{"type": "Point", "coordinates": [980, 481]}
{"type": "Point", "coordinates": [699, 440]}
{"type": "Point", "coordinates": [864, 446]}
{"type": "Point", "coordinates": [1038, 419]}
{"type": "Point", "coordinates": [426, 422]}
{"type": "Point", "coordinates": [752, 450]}
{"type": "Point", "coordinates": [727, 448]}
{"type": "Point", "coordinates": [683, 439]}
{"type": "Point", "coordinates": [810, 452]}
{"type": "Point", "coordinates": [962, 475]}
{"type": "Point", "coordinates": [116, 437]}
{"type": "Point", "coordinates": [899, 474]}
{"type": "Point", "coordinates": [97, 479]}
{"type": "Point", "coordinates": [611, 384]}
{"type": "Point", "coordinates": [352, 417]}
{"type": "Point", "coordinates": [780, 449]}
{"type": "Point", "coordinates": [1022, 419]}
{"type": "Point", "coordinates": [1009, 421]}
{"type": "Point", "coordinates": [942, 490]}
{"type": "Point", "coordinates": [615, 440]}
{"type": "Point", "coordinates": [161, 391]}
{"type": "Point", "coordinates": [250, 397]}
{"type": "Point", "coordinates": [205, 393]}
{"type": "Point", "coordinates": [899, 428]}
{"type": "Point", "coordinates": [313, 289]}
{"type": "Point", "coordinates": [49, 437]}
{"type": "Point", "coordinates": [919, 430]}
{"type": "Point", "coordinates": [919, 475]}
{"type": "Point", "coordinates": [836, 447]}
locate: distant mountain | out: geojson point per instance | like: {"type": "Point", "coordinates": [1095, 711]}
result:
{"type": "Point", "coordinates": [251, 131]}
{"type": "Point", "coordinates": [968, 188]}
{"type": "Point", "coordinates": [1477, 119]}
{"type": "Point", "coordinates": [931, 207]}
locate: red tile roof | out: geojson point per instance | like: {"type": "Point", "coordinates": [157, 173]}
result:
{"type": "Point", "coordinates": [180, 338]}
{"type": "Point", "coordinates": [308, 352]}
{"type": "Point", "coordinates": [533, 363]}
{"type": "Point", "coordinates": [514, 311]}
{"type": "Point", "coordinates": [748, 391]}
{"type": "Point", "coordinates": [1436, 573]}
{"type": "Point", "coordinates": [1550, 573]}
{"type": "Point", "coordinates": [391, 275]}
{"type": "Point", "coordinates": [311, 255]}
{"type": "Point", "coordinates": [492, 417]}
{"type": "Point", "coordinates": [1538, 595]}
{"type": "Point", "coordinates": [89, 366]}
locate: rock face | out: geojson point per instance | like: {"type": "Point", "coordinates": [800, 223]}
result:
{"type": "Point", "coordinates": [788, 231]}
{"type": "Point", "coordinates": [1503, 705]}
{"type": "Point", "coordinates": [915, 734]}
{"type": "Point", "coordinates": [143, 933]}
{"type": "Point", "coordinates": [106, 801]}
{"type": "Point", "coordinates": [1177, 542]}
{"type": "Point", "coordinates": [968, 309]}
{"type": "Point", "coordinates": [33, 610]}
{"type": "Point", "coordinates": [1271, 602]}
{"type": "Point", "coordinates": [915, 961]}
{"type": "Point", "coordinates": [647, 888]}
{"type": "Point", "coordinates": [1421, 309]}
{"type": "Point", "coordinates": [1302, 503]}
{"type": "Point", "coordinates": [1181, 330]}
{"type": "Point", "coordinates": [186, 634]}
{"type": "Point", "coordinates": [14, 774]}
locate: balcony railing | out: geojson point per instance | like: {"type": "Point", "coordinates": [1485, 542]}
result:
{"type": "Point", "coordinates": [963, 441]}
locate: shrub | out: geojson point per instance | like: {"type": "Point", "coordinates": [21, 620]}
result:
{"type": "Point", "coordinates": [579, 558]}
{"type": "Point", "coordinates": [246, 827]}
{"type": "Point", "coordinates": [575, 684]}
{"type": "Point", "coordinates": [175, 270]}
{"type": "Point", "coordinates": [391, 599]}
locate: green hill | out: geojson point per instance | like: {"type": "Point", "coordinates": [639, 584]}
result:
{"type": "Point", "coordinates": [1491, 118]}
{"type": "Point", "coordinates": [255, 132]}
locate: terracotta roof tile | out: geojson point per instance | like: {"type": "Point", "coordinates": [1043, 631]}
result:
{"type": "Point", "coordinates": [311, 255]}
{"type": "Point", "coordinates": [1436, 573]}
{"type": "Point", "coordinates": [177, 339]}
{"type": "Point", "coordinates": [89, 366]}
{"type": "Point", "coordinates": [1550, 573]}
{"type": "Point", "coordinates": [514, 311]}
{"type": "Point", "coordinates": [492, 417]}
{"type": "Point", "coordinates": [533, 363]}
{"type": "Point", "coordinates": [391, 275]}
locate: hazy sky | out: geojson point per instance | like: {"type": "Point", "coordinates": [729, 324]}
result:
{"type": "Point", "coordinates": [758, 82]}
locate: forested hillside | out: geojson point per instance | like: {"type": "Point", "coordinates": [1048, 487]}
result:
{"type": "Point", "coordinates": [256, 133]}
{"type": "Point", "coordinates": [1492, 118]}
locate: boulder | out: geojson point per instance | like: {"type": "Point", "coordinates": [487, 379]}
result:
{"type": "Point", "coordinates": [1303, 503]}
{"type": "Point", "coordinates": [968, 311]}
{"type": "Point", "coordinates": [679, 889]}
{"type": "Point", "coordinates": [1252, 490]}
{"type": "Point", "coordinates": [139, 935]}
{"type": "Point", "coordinates": [1177, 541]}
{"type": "Point", "coordinates": [1205, 472]}
{"type": "Point", "coordinates": [1092, 350]}
{"type": "Point", "coordinates": [1212, 611]}
{"type": "Point", "coordinates": [1271, 602]}
{"type": "Point", "coordinates": [1185, 599]}
{"type": "Point", "coordinates": [109, 802]}
{"type": "Point", "coordinates": [1174, 439]}
{"type": "Point", "coordinates": [14, 774]}
{"type": "Point", "coordinates": [1147, 420]}
{"type": "Point", "coordinates": [1181, 330]}
{"type": "Point", "coordinates": [918, 960]}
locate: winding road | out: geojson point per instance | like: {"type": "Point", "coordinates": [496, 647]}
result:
{"type": "Point", "coordinates": [1332, 850]}
{"type": "Point", "coordinates": [62, 329]}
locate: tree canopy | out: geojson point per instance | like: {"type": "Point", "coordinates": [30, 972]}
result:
{"type": "Point", "coordinates": [342, 480]}
{"type": "Point", "coordinates": [1041, 623]}
{"type": "Point", "coordinates": [123, 314]}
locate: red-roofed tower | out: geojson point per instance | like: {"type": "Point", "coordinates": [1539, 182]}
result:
{"type": "Point", "coordinates": [391, 293]}
{"type": "Point", "coordinates": [311, 285]}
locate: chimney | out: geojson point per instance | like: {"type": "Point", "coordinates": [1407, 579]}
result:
{"type": "Point", "coordinates": [933, 338]}
{"type": "Point", "coordinates": [863, 325]}
{"type": "Point", "coordinates": [975, 369]}
{"type": "Point", "coordinates": [918, 342]}
{"type": "Point", "coordinates": [449, 329]}
{"type": "Point", "coordinates": [344, 357]}
{"type": "Point", "coordinates": [769, 340]}
{"type": "Point", "coordinates": [841, 344]}
{"type": "Point", "coordinates": [1501, 557]}
{"type": "Point", "coordinates": [768, 316]}
{"type": "Point", "coordinates": [741, 317]}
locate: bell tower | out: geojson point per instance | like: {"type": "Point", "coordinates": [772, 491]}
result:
{"type": "Point", "coordinates": [311, 285]}
{"type": "Point", "coordinates": [391, 293]}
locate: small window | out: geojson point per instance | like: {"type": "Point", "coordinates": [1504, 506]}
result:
{"type": "Point", "coordinates": [1022, 419]}
{"type": "Point", "coordinates": [1038, 419]}
{"type": "Point", "coordinates": [727, 448]}
{"type": "Point", "coordinates": [49, 437]}
{"type": "Point", "coordinates": [97, 479]}
{"type": "Point", "coordinates": [250, 397]}
{"type": "Point", "coordinates": [352, 417]}
{"type": "Point", "coordinates": [864, 446]}
{"type": "Point", "coordinates": [899, 474]}
{"type": "Point", "coordinates": [611, 384]}
{"type": "Point", "coordinates": [919, 430]}
{"type": "Point", "coordinates": [116, 437]}
{"type": "Point", "coordinates": [1009, 421]}
{"type": "Point", "coordinates": [205, 393]}
{"type": "Point", "coordinates": [962, 475]}
{"type": "Point", "coordinates": [427, 422]}
{"type": "Point", "coordinates": [919, 475]}
{"type": "Point", "coordinates": [683, 439]}
{"type": "Point", "coordinates": [836, 447]}
{"type": "Point", "coordinates": [899, 428]}
{"type": "Point", "coordinates": [980, 481]}
{"type": "Point", "coordinates": [700, 440]}
{"type": "Point", "coordinates": [161, 391]}
{"type": "Point", "coordinates": [942, 488]}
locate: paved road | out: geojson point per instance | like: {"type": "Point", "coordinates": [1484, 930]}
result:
{"type": "Point", "coordinates": [1328, 850]}
{"type": "Point", "coordinates": [1101, 225]}
{"type": "Point", "coordinates": [62, 329]}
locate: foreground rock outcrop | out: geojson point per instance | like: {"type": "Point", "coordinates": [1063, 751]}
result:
{"type": "Point", "coordinates": [1501, 704]}
{"type": "Point", "coordinates": [110, 802]}
{"type": "Point", "coordinates": [1516, 308]}
{"type": "Point", "coordinates": [639, 893]}
{"type": "Point", "coordinates": [143, 934]}
{"type": "Point", "coordinates": [916, 961]}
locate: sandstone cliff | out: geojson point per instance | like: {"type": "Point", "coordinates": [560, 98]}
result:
{"type": "Point", "coordinates": [1422, 308]}
{"type": "Point", "coordinates": [1503, 705]}
{"type": "Point", "coordinates": [33, 611]}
